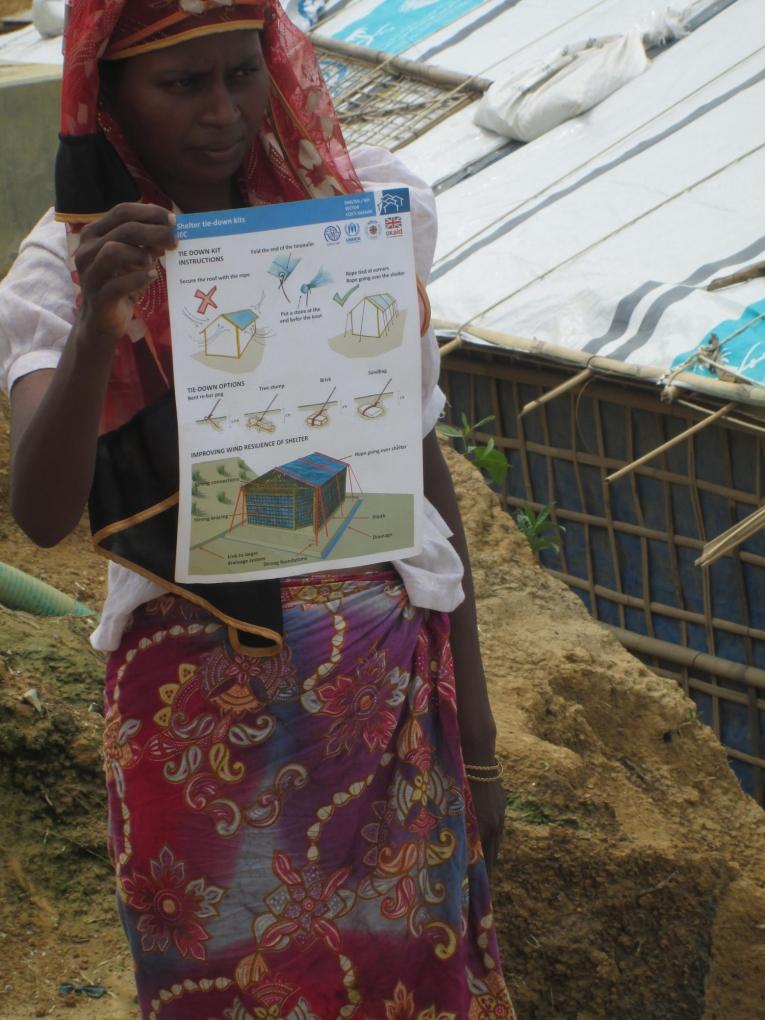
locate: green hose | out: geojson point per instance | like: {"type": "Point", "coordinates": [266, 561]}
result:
{"type": "Point", "coordinates": [22, 591]}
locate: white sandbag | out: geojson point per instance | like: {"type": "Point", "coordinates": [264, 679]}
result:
{"type": "Point", "coordinates": [536, 99]}
{"type": "Point", "coordinates": [48, 17]}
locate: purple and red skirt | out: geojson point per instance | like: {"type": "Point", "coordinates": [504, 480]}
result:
{"type": "Point", "coordinates": [293, 836]}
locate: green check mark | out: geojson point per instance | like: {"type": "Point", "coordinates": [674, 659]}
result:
{"type": "Point", "coordinates": [341, 300]}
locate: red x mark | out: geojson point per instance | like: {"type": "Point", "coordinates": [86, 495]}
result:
{"type": "Point", "coordinates": [205, 300]}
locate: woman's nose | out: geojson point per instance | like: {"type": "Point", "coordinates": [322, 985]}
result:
{"type": "Point", "coordinates": [220, 106]}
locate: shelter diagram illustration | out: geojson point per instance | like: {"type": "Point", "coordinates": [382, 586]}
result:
{"type": "Point", "coordinates": [229, 333]}
{"type": "Point", "coordinates": [372, 316]}
{"type": "Point", "coordinates": [310, 509]}
{"type": "Point", "coordinates": [374, 325]}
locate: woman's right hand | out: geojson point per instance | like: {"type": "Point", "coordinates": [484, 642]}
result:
{"type": "Point", "coordinates": [115, 262]}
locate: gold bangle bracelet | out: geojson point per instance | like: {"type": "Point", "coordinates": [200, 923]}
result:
{"type": "Point", "coordinates": [484, 773]}
{"type": "Point", "coordinates": [483, 779]}
{"type": "Point", "coordinates": [496, 767]}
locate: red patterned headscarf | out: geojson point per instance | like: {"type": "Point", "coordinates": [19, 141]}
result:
{"type": "Point", "coordinates": [300, 152]}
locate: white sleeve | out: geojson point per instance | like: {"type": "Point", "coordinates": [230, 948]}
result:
{"type": "Point", "coordinates": [378, 168]}
{"type": "Point", "coordinates": [36, 303]}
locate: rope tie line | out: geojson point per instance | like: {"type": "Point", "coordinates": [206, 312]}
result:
{"type": "Point", "coordinates": [590, 247]}
{"type": "Point", "coordinates": [602, 152]}
{"type": "Point", "coordinates": [708, 354]}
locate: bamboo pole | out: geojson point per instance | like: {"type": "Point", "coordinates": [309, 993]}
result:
{"type": "Point", "coordinates": [715, 416]}
{"type": "Point", "coordinates": [742, 276]}
{"type": "Point", "coordinates": [452, 345]}
{"type": "Point", "coordinates": [624, 371]}
{"type": "Point", "coordinates": [400, 65]}
{"type": "Point", "coordinates": [732, 538]}
{"type": "Point", "coordinates": [557, 391]}
{"type": "Point", "coordinates": [751, 676]}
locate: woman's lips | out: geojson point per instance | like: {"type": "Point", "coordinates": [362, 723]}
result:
{"type": "Point", "coordinates": [215, 153]}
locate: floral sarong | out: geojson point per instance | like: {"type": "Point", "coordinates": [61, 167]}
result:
{"type": "Point", "coordinates": [293, 836]}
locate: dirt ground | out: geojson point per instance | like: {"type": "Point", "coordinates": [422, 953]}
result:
{"type": "Point", "coordinates": [11, 7]}
{"type": "Point", "coordinates": [632, 879]}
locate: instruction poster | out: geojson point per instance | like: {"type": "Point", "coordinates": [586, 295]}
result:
{"type": "Point", "coordinates": [296, 359]}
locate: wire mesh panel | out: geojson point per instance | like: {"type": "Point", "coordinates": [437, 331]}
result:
{"type": "Point", "coordinates": [389, 101]}
{"type": "Point", "coordinates": [629, 549]}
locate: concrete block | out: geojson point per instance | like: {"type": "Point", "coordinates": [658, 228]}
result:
{"type": "Point", "coordinates": [30, 97]}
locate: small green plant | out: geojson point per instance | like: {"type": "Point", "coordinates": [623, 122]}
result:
{"type": "Point", "coordinates": [486, 457]}
{"type": "Point", "coordinates": [196, 475]}
{"type": "Point", "coordinates": [518, 809]}
{"type": "Point", "coordinates": [221, 469]}
{"type": "Point", "coordinates": [195, 511]}
{"type": "Point", "coordinates": [195, 489]}
{"type": "Point", "coordinates": [223, 498]}
{"type": "Point", "coordinates": [538, 529]}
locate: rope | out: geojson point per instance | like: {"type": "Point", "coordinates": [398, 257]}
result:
{"type": "Point", "coordinates": [612, 233]}
{"type": "Point", "coordinates": [709, 354]}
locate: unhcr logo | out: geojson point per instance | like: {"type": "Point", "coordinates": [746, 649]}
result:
{"type": "Point", "coordinates": [352, 232]}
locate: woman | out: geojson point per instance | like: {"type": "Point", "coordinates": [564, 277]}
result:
{"type": "Point", "coordinates": [293, 833]}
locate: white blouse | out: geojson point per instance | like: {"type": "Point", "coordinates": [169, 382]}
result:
{"type": "Point", "coordinates": [37, 314]}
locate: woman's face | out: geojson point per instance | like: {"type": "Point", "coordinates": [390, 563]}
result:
{"type": "Point", "coordinates": [191, 111]}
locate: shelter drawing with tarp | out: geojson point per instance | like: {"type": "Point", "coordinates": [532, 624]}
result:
{"type": "Point", "coordinates": [229, 334]}
{"type": "Point", "coordinates": [372, 316]}
{"type": "Point", "coordinates": [302, 493]}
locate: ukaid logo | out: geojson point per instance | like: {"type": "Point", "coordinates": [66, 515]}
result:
{"type": "Point", "coordinates": [393, 226]}
{"type": "Point", "coordinates": [332, 233]}
{"type": "Point", "coordinates": [352, 232]}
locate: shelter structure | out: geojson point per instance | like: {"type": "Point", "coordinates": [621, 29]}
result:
{"type": "Point", "coordinates": [579, 294]}
{"type": "Point", "coordinates": [372, 316]}
{"type": "Point", "coordinates": [302, 493]}
{"type": "Point", "coordinates": [229, 333]}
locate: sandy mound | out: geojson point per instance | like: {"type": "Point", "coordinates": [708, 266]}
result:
{"type": "Point", "coordinates": [632, 882]}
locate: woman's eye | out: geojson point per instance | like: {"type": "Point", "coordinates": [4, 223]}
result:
{"type": "Point", "coordinates": [246, 72]}
{"type": "Point", "coordinates": [181, 84]}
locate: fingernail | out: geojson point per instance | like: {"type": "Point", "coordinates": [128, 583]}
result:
{"type": "Point", "coordinates": [171, 218]}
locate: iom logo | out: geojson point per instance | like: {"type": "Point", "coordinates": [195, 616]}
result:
{"type": "Point", "coordinates": [332, 233]}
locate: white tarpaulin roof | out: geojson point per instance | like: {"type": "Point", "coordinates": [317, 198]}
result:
{"type": "Point", "coordinates": [601, 235]}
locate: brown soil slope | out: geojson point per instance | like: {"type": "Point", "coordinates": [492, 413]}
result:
{"type": "Point", "coordinates": [632, 882]}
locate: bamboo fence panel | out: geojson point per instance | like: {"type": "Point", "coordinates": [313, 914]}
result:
{"type": "Point", "coordinates": [629, 547]}
{"type": "Point", "coordinates": [389, 101]}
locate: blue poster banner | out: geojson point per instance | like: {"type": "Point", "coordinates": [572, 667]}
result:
{"type": "Point", "coordinates": [395, 25]}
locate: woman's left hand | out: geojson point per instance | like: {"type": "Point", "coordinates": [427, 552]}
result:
{"type": "Point", "coordinates": [489, 800]}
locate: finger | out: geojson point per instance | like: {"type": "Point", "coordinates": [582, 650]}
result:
{"type": "Point", "coordinates": [154, 240]}
{"type": "Point", "coordinates": [128, 212]}
{"type": "Point", "coordinates": [143, 235]}
{"type": "Point", "coordinates": [114, 262]}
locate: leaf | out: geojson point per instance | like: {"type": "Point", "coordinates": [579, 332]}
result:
{"type": "Point", "coordinates": [448, 430]}
{"type": "Point", "coordinates": [484, 421]}
{"type": "Point", "coordinates": [494, 462]}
